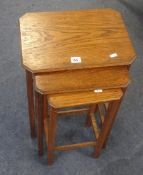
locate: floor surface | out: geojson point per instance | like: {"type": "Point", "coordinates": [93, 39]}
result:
{"type": "Point", "coordinates": [18, 153]}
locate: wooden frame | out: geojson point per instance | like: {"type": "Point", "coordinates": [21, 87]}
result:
{"type": "Point", "coordinates": [40, 60]}
{"type": "Point", "coordinates": [107, 125]}
{"type": "Point", "coordinates": [101, 134]}
{"type": "Point", "coordinates": [30, 97]}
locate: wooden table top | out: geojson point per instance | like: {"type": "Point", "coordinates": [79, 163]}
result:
{"type": "Point", "coordinates": [82, 80]}
{"type": "Point", "coordinates": [98, 38]}
{"type": "Point", "coordinates": [83, 98]}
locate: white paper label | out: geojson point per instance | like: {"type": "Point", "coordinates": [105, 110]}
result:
{"type": "Point", "coordinates": [98, 90]}
{"type": "Point", "coordinates": [113, 55]}
{"type": "Point", "coordinates": [75, 60]}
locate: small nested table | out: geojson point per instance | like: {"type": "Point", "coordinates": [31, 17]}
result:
{"type": "Point", "coordinates": [72, 82]}
{"type": "Point", "coordinates": [89, 41]}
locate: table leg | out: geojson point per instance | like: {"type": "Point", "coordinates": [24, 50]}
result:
{"type": "Point", "coordinates": [106, 140]}
{"type": "Point", "coordinates": [92, 109]}
{"type": "Point", "coordinates": [107, 125]}
{"type": "Point", "coordinates": [39, 124]}
{"type": "Point", "coordinates": [41, 114]}
{"type": "Point", "coordinates": [51, 136]}
{"type": "Point", "coordinates": [30, 96]}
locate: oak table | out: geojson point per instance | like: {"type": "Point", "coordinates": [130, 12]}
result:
{"type": "Point", "coordinates": [72, 40]}
{"type": "Point", "coordinates": [77, 81]}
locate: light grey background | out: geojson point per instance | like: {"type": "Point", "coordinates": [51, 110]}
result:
{"type": "Point", "coordinates": [18, 153]}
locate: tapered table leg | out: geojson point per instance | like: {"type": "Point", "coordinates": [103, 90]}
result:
{"type": "Point", "coordinates": [106, 140]}
{"type": "Point", "coordinates": [30, 96]}
{"type": "Point", "coordinates": [41, 114]}
{"type": "Point", "coordinates": [38, 101]}
{"type": "Point", "coordinates": [51, 136]}
{"type": "Point", "coordinates": [107, 126]}
{"type": "Point", "coordinates": [92, 109]}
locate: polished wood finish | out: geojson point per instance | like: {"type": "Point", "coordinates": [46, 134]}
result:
{"type": "Point", "coordinates": [50, 39]}
{"type": "Point", "coordinates": [78, 80]}
{"type": "Point", "coordinates": [75, 146]}
{"type": "Point", "coordinates": [29, 83]}
{"type": "Point", "coordinates": [107, 125]}
{"type": "Point", "coordinates": [76, 99]}
{"type": "Point", "coordinates": [82, 80]}
{"type": "Point", "coordinates": [92, 110]}
{"type": "Point", "coordinates": [46, 130]}
{"type": "Point", "coordinates": [40, 126]}
{"type": "Point", "coordinates": [71, 112]}
{"type": "Point", "coordinates": [114, 113]}
{"type": "Point", "coordinates": [83, 98]}
{"type": "Point", "coordinates": [101, 112]}
{"type": "Point", "coordinates": [51, 135]}
{"type": "Point", "coordinates": [96, 129]}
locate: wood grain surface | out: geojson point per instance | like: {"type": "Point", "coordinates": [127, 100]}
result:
{"type": "Point", "coordinates": [50, 39]}
{"type": "Point", "coordinates": [82, 80]}
{"type": "Point", "coordinates": [82, 98]}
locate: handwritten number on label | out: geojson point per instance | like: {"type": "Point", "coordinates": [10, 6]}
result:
{"type": "Point", "coordinates": [75, 60]}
